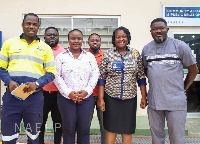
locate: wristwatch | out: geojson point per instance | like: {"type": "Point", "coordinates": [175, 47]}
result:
{"type": "Point", "coordinates": [37, 84]}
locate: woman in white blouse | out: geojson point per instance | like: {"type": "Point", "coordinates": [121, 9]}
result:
{"type": "Point", "coordinates": [76, 76]}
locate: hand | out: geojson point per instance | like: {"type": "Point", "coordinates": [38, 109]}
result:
{"type": "Point", "coordinates": [73, 95]}
{"type": "Point", "coordinates": [101, 104]}
{"type": "Point", "coordinates": [30, 86]}
{"type": "Point", "coordinates": [82, 94]}
{"type": "Point", "coordinates": [143, 103]}
{"type": "Point", "coordinates": [12, 85]}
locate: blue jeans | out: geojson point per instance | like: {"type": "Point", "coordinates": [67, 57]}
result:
{"type": "Point", "coordinates": [100, 118]}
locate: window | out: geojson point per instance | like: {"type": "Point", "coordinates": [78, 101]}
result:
{"type": "Point", "coordinates": [104, 26]}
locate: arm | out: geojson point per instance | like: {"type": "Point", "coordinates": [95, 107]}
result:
{"type": "Point", "coordinates": [102, 81]}
{"type": "Point", "coordinates": [145, 71]}
{"type": "Point", "coordinates": [50, 68]}
{"type": "Point", "coordinates": [143, 102]}
{"type": "Point", "coordinates": [93, 78]}
{"type": "Point", "coordinates": [100, 102]}
{"type": "Point", "coordinates": [189, 61]}
{"type": "Point", "coordinates": [192, 72]}
{"type": "Point", "coordinates": [59, 81]}
{"type": "Point", "coordinates": [4, 62]}
{"type": "Point", "coordinates": [49, 76]}
{"type": "Point", "coordinates": [4, 75]}
{"type": "Point", "coordinates": [142, 82]}
{"type": "Point", "coordinates": [144, 63]}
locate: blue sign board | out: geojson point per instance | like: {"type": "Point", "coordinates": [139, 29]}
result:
{"type": "Point", "coordinates": [184, 12]}
{"type": "Point", "coordinates": [0, 39]}
{"type": "Point", "coordinates": [181, 15]}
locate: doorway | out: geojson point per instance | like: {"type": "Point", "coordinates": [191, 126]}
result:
{"type": "Point", "coordinates": [193, 93]}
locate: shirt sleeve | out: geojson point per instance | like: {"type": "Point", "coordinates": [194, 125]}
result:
{"type": "Point", "coordinates": [49, 63]}
{"type": "Point", "coordinates": [103, 70]}
{"type": "Point", "coordinates": [94, 75]}
{"type": "Point", "coordinates": [50, 68]}
{"type": "Point", "coordinates": [59, 81]}
{"type": "Point", "coordinates": [141, 80]}
{"type": "Point", "coordinates": [143, 58]}
{"type": "Point", "coordinates": [4, 60]}
{"type": "Point", "coordinates": [44, 80]}
{"type": "Point", "coordinates": [186, 54]}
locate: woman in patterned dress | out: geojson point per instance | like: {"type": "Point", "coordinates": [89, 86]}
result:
{"type": "Point", "coordinates": [121, 68]}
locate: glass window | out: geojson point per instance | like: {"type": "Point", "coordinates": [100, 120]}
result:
{"type": "Point", "coordinates": [104, 26]}
{"type": "Point", "coordinates": [193, 93]}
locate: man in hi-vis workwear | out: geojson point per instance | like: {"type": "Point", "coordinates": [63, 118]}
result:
{"type": "Point", "coordinates": [22, 60]}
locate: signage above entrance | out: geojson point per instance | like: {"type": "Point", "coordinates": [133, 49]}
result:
{"type": "Point", "coordinates": [181, 15]}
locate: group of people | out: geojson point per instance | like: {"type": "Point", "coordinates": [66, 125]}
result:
{"type": "Point", "coordinates": [79, 80]}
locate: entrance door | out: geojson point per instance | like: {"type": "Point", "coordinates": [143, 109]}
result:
{"type": "Point", "coordinates": [193, 93]}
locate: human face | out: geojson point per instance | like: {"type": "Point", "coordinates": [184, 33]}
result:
{"type": "Point", "coordinates": [121, 39]}
{"type": "Point", "coordinates": [75, 40]}
{"type": "Point", "coordinates": [30, 26]}
{"type": "Point", "coordinates": [94, 42]}
{"type": "Point", "coordinates": [51, 38]}
{"type": "Point", "coordinates": [159, 32]}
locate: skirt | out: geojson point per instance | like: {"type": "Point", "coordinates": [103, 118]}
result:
{"type": "Point", "coordinates": [120, 115]}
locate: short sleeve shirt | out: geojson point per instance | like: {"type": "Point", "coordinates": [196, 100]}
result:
{"type": "Point", "coordinates": [165, 63]}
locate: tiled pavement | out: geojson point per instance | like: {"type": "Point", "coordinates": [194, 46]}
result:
{"type": "Point", "coordinates": [96, 140]}
{"type": "Point", "coordinates": [142, 135]}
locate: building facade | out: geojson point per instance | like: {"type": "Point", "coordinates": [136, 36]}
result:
{"type": "Point", "coordinates": [103, 17]}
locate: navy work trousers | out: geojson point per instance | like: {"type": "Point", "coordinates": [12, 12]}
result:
{"type": "Point", "coordinates": [14, 110]}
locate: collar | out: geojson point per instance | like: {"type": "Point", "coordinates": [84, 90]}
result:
{"type": "Point", "coordinates": [56, 47]}
{"type": "Point", "coordinates": [127, 48]}
{"type": "Point", "coordinates": [100, 51]}
{"type": "Point", "coordinates": [82, 51]}
{"type": "Point", "coordinates": [37, 38]}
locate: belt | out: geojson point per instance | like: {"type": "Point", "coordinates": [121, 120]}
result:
{"type": "Point", "coordinates": [51, 92]}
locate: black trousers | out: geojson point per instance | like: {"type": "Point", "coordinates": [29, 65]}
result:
{"type": "Point", "coordinates": [50, 104]}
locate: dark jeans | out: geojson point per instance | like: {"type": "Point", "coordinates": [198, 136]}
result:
{"type": "Point", "coordinates": [100, 118]}
{"type": "Point", "coordinates": [50, 104]}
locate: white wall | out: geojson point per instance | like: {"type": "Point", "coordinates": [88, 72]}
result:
{"type": "Point", "coordinates": [136, 15]}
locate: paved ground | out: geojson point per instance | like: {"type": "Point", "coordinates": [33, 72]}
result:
{"type": "Point", "coordinates": [96, 140]}
{"type": "Point", "coordinates": [142, 135]}
{"type": "Point", "coordinates": [142, 127]}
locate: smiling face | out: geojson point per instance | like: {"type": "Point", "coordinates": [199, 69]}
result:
{"type": "Point", "coordinates": [159, 31]}
{"type": "Point", "coordinates": [121, 39]}
{"type": "Point", "coordinates": [51, 37]}
{"type": "Point", "coordinates": [30, 27]}
{"type": "Point", "coordinates": [94, 42]}
{"type": "Point", "coordinates": [75, 40]}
